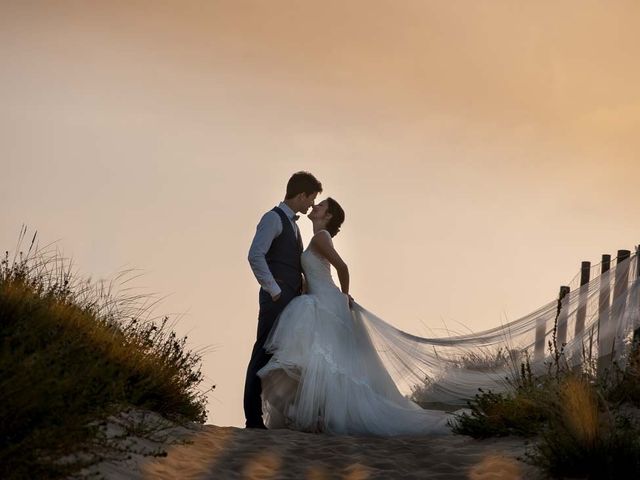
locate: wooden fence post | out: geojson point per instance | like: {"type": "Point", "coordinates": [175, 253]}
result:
{"type": "Point", "coordinates": [585, 273]}
{"type": "Point", "coordinates": [622, 274]}
{"type": "Point", "coordinates": [603, 307]}
{"type": "Point", "coordinates": [562, 315]}
{"type": "Point", "coordinates": [619, 290]}
{"type": "Point", "coordinates": [636, 332]}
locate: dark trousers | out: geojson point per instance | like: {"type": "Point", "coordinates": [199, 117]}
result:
{"type": "Point", "coordinates": [269, 312]}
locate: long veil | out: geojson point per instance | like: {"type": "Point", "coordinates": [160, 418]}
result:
{"type": "Point", "coordinates": [590, 327]}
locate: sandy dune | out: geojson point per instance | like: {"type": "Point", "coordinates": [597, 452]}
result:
{"type": "Point", "coordinates": [213, 452]}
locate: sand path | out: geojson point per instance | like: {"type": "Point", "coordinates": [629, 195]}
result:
{"type": "Point", "coordinates": [231, 453]}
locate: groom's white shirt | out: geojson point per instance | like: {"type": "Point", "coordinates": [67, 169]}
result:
{"type": "Point", "coordinates": [268, 229]}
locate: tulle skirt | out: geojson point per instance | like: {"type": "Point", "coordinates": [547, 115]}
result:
{"type": "Point", "coordinates": [326, 376]}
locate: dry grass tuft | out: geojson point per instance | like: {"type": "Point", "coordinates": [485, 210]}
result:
{"type": "Point", "coordinates": [579, 407]}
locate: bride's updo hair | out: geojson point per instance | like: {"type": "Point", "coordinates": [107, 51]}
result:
{"type": "Point", "coordinates": [337, 216]}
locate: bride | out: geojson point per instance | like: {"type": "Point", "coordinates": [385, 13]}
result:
{"type": "Point", "coordinates": [325, 374]}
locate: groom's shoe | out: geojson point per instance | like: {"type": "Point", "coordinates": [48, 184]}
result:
{"type": "Point", "coordinates": [256, 425]}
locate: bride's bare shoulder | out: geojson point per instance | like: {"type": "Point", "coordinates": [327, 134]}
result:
{"type": "Point", "coordinates": [322, 243]}
{"type": "Point", "coordinates": [322, 237]}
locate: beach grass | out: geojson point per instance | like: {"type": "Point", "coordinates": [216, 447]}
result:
{"type": "Point", "coordinates": [72, 353]}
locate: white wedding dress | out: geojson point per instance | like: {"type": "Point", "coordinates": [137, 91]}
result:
{"type": "Point", "coordinates": [325, 374]}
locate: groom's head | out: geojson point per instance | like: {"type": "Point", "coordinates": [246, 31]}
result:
{"type": "Point", "coordinates": [302, 190]}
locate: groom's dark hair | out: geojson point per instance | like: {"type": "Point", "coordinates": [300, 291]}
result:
{"type": "Point", "coordinates": [302, 182]}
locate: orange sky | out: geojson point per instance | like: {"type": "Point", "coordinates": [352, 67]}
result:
{"type": "Point", "coordinates": [481, 150]}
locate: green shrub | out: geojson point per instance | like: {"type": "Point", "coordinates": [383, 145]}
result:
{"type": "Point", "coordinates": [623, 385]}
{"type": "Point", "coordinates": [72, 352]}
{"type": "Point", "coordinates": [501, 414]}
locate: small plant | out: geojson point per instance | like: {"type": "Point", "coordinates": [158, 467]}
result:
{"type": "Point", "coordinates": [500, 414]}
{"type": "Point", "coordinates": [623, 385]}
{"type": "Point", "coordinates": [520, 411]}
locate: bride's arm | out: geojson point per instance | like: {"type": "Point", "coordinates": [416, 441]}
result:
{"type": "Point", "coordinates": [323, 244]}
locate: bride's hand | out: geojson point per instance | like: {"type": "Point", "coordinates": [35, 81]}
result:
{"type": "Point", "coordinates": [350, 299]}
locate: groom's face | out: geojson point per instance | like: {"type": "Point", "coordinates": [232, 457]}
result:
{"type": "Point", "coordinates": [307, 202]}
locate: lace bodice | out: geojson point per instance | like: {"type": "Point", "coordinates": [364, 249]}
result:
{"type": "Point", "coordinates": [317, 272]}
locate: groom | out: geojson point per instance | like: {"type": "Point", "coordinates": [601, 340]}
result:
{"type": "Point", "coordinates": [274, 257]}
